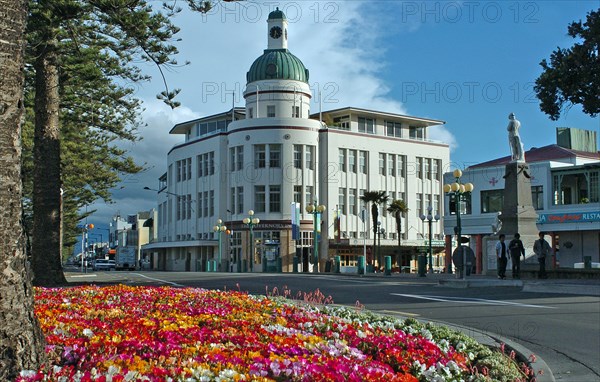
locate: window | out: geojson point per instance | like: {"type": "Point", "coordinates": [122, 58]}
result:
{"type": "Point", "coordinates": [427, 171]}
{"type": "Point", "coordinates": [391, 165]}
{"type": "Point", "coordinates": [274, 156]}
{"type": "Point", "coordinates": [342, 201]}
{"type": "Point", "coordinates": [419, 202]}
{"type": "Point", "coordinates": [352, 161]}
{"type": "Point", "coordinates": [352, 201]}
{"type": "Point", "coordinates": [400, 165]}
{"type": "Point", "coordinates": [416, 132]}
{"type": "Point", "coordinates": [231, 161]}
{"type": "Point", "coordinates": [178, 164]}
{"type": "Point", "coordinates": [260, 156]}
{"type": "Point", "coordinates": [366, 125]}
{"type": "Point", "coordinates": [465, 205]}
{"type": "Point", "coordinates": [275, 198]}
{"type": "Point", "coordinates": [343, 123]}
{"type": "Point", "coordinates": [189, 168]}
{"type": "Point", "coordinates": [436, 205]}
{"type": "Point", "coordinates": [189, 206]}
{"type": "Point", "coordinates": [492, 200]}
{"type": "Point", "coordinates": [250, 112]}
{"type": "Point", "coordinates": [240, 200]}
{"type": "Point", "coordinates": [298, 194]}
{"type": "Point", "coordinates": [295, 111]}
{"type": "Point", "coordinates": [419, 168]}
{"type": "Point", "coordinates": [212, 203]}
{"type": "Point", "coordinates": [211, 163]}
{"type": "Point", "coordinates": [436, 169]}
{"type": "Point", "coordinates": [200, 204]}
{"type": "Point", "coordinates": [381, 164]}
{"type": "Point", "coordinates": [362, 161]}
{"type": "Point", "coordinates": [240, 158]}
{"type": "Point", "coordinates": [537, 196]}
{"type": "Point", "coordinates": [205, 164]}
{"type": "Point", "coordinates": [297, 156]}
{"type": "Point", "coordinates": [309, 195]}
{"type": "Point", "coordinates": [205, 204]}
{"type": "Point", "coordinates": [342, 160]}
{"type": "Point", "coordinates": [310, 161]}
{"type": "Point", "coordinates": [270, 111]}
{"type": "Point", "coordinates": [259, 198]}
{"type": "Point", "coordinates": [394, 129]}
{"type": "Point", "coordinates": [232, 201]}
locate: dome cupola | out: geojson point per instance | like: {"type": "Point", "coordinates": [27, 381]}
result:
{"type": "Point", "coordinates": [277, 63]}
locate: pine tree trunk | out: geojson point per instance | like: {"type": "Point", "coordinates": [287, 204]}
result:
{"type": "Point", "coordinates": [46, 243]}
{"type": "Point", "coordinates": [21, 340]}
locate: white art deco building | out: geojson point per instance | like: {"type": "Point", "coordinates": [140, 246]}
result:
{"type": "Point", "coordinates": [273, 154]}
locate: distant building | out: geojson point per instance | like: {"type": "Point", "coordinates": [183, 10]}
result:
{"type": "Point", "coordinates": [565, 187]}
{"type": "Point", "coordinates": [273, 154]}
{"type": "Point", "coordinates": [133, 231]}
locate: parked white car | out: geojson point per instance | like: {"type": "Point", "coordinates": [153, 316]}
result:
{"type": "Point", "coordinates": [104, 265]}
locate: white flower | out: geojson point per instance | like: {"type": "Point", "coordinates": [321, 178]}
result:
{"type": "Point", "coordinates": [88, 332]}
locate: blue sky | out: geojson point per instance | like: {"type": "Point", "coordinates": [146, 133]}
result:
{"type": "Point", "coordinates": [469, 63]}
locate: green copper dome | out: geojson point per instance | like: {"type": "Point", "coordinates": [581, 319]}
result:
{"type": "Point", "coordinates": [276, 14]}
{"type": "Point", "coordinates": [277, 64]}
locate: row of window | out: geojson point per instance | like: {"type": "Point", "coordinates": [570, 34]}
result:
{"type": "Point", "coordinates": [367, 125]}
{"type": "Point", "coordinates": [272, 112]}
{"type": "Point", "coordinates": [493, 200]}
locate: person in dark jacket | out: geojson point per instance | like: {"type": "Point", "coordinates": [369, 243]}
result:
{"type": "Point", "coordinates": [516, 249]}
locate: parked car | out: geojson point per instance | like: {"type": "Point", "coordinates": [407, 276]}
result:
{"type": "Point", "coordinates": [104, 265]}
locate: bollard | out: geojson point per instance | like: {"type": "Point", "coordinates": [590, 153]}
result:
{"type": "Point", "coordinates": [337, 266]}
{"type": "Point", "coordinates": [388, 265]}
{"type": "Point", "coordinates": [361, 265]}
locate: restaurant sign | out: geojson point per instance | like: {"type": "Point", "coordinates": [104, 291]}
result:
{"type": "Point", "coordinates": [575, 217]}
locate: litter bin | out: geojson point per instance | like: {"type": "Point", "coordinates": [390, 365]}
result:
{"type": "Point", "coordinates": [587, 262]}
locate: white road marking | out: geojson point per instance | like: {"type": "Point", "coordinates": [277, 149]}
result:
{"type": "Point", "coordinates": [159, 280]}
{"type": "Point", "coordinates": [86, 275]}
{"type": "Point", "coordinates": [407, 314]}
{"type": "Point", "coordinates": [467, 300]}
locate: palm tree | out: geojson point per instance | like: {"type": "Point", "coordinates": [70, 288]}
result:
{"type": "Point", "coordinates": [376, 198]}
{"type": "Point", "coordinates": [398, 208]}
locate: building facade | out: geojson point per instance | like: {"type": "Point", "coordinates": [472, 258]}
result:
{"type": "Point", "coordinates": [275, 157]}
{"type": "Point", "coordinates": [565, 189]}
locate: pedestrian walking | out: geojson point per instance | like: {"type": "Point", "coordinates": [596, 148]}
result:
{"type": "Point", "coordinates": [501, 256]}
{"type": "Point", "coordinates": [516, 250]}
{"type": "Point", "coordinates": [541, 248]}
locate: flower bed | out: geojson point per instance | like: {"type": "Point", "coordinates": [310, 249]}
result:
{"type": "Point", "coordinates": [123, 333]}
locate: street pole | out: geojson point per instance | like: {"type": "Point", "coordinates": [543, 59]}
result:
{"type": "Point", "coordinates": [364, 216]}
{"type": "Point", "coordinates": [459, 191]}
{"type": "Point", "coordinates": [219, 228]}
{"type": "Point", "coordinates": [429, 218]}
{"type": "Point", "coordinates": [251, 221]}
{"type": "Point", "coordinates": [315, 210]}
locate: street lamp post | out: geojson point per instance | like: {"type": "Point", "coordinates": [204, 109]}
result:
{"type": "Point", "coordinates": [251, 221]}
{"type": "Point", "coordinates": [84, 232]}
{"type": "Point", "coordinates": [380, 231]}
{"type": "Point", "coordinates": [459, 191]}
{"type": "Point", "coordinates": [219, 229]}
{"type": "Point", "coordinates": [429, 218]}
{"type": "Point", "coordinates": [315, 210]}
